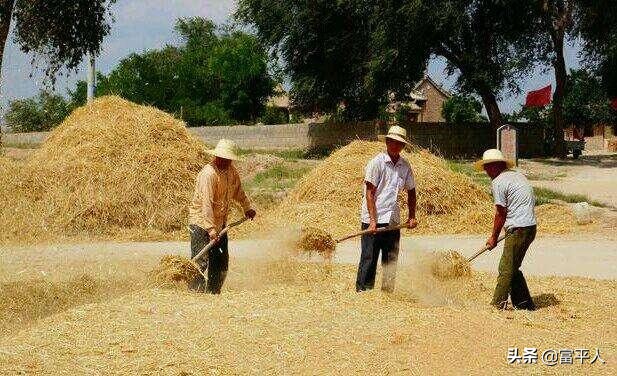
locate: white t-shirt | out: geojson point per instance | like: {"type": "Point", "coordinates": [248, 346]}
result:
{"type": "Point", "coordinates": [390, 180]}
{"type": "Point", "coordinates": [512, 191]}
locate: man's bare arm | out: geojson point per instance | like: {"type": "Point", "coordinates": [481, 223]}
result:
{"type": "Point", "coordinates": [498, 222]}
{"type": "Point", "coordinates": [411, 204]}
{"type": "Point", "coordinates": [370, 204]}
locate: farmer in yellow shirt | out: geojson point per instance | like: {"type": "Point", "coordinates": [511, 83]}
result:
{"type": "Point", "coordinates": [216, 185]}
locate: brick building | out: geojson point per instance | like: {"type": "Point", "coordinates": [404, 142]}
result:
{"type": "Point", "coordinates": [424, 103]}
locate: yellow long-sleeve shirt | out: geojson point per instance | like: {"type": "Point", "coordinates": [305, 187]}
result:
{"type": "Point", "coordinates": [214, 190]}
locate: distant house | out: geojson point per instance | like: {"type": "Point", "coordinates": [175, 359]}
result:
{"type": "Point", "coordinates": [424, 103]}
{"type": "Point", "coordinates": [280, 98]}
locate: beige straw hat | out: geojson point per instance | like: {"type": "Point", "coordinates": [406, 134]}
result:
{"type": "Point", "coordinates": [490, 156]}
{"type": "Point", "coordinates": [226, 149]}
{"type": "Point", "coordinates": [396, 133]}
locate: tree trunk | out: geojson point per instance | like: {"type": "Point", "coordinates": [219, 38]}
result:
{"type": "Point", "coordinates": [492, 109]}
{"type": "Point", "coordinates": [561, 77]}
{"type": "Point", "coordinates": [6, 10]}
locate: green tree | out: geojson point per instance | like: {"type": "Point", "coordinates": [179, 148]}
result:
{"type": "Point", "coordinates": [62, 31]}
{"type": "Point", "coordinates": [356, 52]}
{"type": "Point", "coordinates": [585, 103]}
{"type": "Point", "coordinates": [597, 27]}
{"type": "Point", "coordinates": [216, 77]}
{"type": "Point", "coordinates": [340, 56]}
{"type": "Point", "coordinates": [462, 108]}
{"type": "Point", "coordinates": [37, 114]}
{"type": "Point", "coordinates": [488, 43]}
{"type": "Point", "coordinates": [555, 21]}
{"type": "Point", "coordinates": [59, 31]}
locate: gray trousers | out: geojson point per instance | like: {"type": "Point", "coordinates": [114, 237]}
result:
{"type": "Point", "coordinates": [388, 244]}
{"type": "Point", "coordinates": [216, 261]}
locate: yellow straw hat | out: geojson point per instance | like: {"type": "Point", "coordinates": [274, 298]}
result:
{"type": "Point", "coordinates": [490, 156]}
{"type": "Point", "coordinates": [395, 133]}
{"type": "Point", "coordinates": [226, 149]}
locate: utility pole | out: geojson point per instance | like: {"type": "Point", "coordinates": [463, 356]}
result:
{"type": "Point", "coordinates": [91, 77]}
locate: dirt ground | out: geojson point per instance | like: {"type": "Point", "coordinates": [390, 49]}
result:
{"type": "Point", "coordinates": [584, 256]}
{"type": "Point", "coordinates": [593, 175]}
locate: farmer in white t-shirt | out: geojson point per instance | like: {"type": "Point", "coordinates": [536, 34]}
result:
{"type": "Point", "coordinates": [514, 202]}
{"type": "Point", "coordinates": [386, 175]}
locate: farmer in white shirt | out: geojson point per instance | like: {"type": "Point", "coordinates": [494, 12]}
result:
{"type": "Point", "coordinates": [386, 175]}
{"type": "Point", "coordinates": [514, 203]}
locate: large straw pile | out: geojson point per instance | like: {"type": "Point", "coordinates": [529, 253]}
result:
{"type": "Point", "coordinates": [329, 198]}
{"type": "Point", "coordinates": [112, 167]}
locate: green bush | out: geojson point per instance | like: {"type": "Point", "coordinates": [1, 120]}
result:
{"type": "Point", "coordinates": [212, 113]}
{"type": "Point", "coordinates": [37, 114]}
{"type": "Point", "coordinates": [274, 115]}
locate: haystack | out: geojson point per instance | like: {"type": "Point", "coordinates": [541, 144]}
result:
{"type": "Point", "coordinates": [111, 167]}
{"type": "Point", "coordinates": [329, 197]}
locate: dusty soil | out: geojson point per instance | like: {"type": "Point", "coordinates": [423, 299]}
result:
{"type": "Point", "coordinates": [585, 256]}
{"type": "Point", "coordinates": [592, 175]}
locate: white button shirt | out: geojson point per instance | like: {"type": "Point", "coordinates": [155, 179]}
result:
{"type": "Point", "coordinates": [389, 179]}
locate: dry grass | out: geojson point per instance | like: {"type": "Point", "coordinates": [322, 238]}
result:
{"type": "Point", "coordinates": [329, 198]}
{"type": "Point", "coordinates": [315, 240]}
{"type": "Point", "coordinates": [25, 301]}
{"type": "Point", "coordinates": [450, 265]}
{"type": "Point", "coordinates": [112, 168]}
{"type": "Point", "coordinates": [174, 271]}
{"type": "Point", "coordinates": [280, 317]}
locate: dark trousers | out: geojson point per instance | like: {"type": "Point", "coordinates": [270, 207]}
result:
{"type": "Point", "coordinates": [216, 261]}
{"type": "Point", "coordinates": [511, 280]}
{"type": "Point", "coordinates": [388, 244]}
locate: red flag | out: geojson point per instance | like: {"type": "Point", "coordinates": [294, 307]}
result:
{"type": "Point", "coordinates": [614, 103]}
{"type": "Point", "coordinates": [539, 98]}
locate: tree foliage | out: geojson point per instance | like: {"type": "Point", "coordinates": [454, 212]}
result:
{"type": "Point", "coordinates": [597, 27]}
{"type": "Point", "coordinates": [61, 31]}
{"type": "Point", "coordinates": [462, 108]}
{"type": "Point", "coordinates": [355, 52]}
{"type": "Point", "coordinates": [37, 114]}
{"type": "Point", "coordinates": [346, 52]}
{"type": "Point", "coordinates": [215, 77]}
{"type": "Point", "coordinates": [489, 43]}
{"type": "Point", "coordinates": [585, 103]}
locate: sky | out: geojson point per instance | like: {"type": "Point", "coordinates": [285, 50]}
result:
{"type": "Point", "coordinates": [143, 25]}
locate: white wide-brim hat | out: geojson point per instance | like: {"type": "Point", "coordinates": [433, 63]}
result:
{"type": "Point", "coordinates": [226, 149]}
{"type": "Point", "coordinates": [395, 133]}
{"type": "Point", "coordinates": [490, 156]}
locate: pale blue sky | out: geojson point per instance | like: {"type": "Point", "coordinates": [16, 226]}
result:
{"type": "Point", "coordinates": [142, 25]}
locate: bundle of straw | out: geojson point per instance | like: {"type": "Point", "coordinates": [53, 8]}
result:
{"type": "Point", "coordinates": [174, 270]}
{"type": "Point", "coordinates": [316, 240]}
{"type": "Point", "coordinates": [450, 265]}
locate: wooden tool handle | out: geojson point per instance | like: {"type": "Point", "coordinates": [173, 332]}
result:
{"type": "Point", "coordinates": [364, 232]}
{"type": "Point", "coordinates": [213, 242]}
{"type": "Point", "coordinates": [486, 248]}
